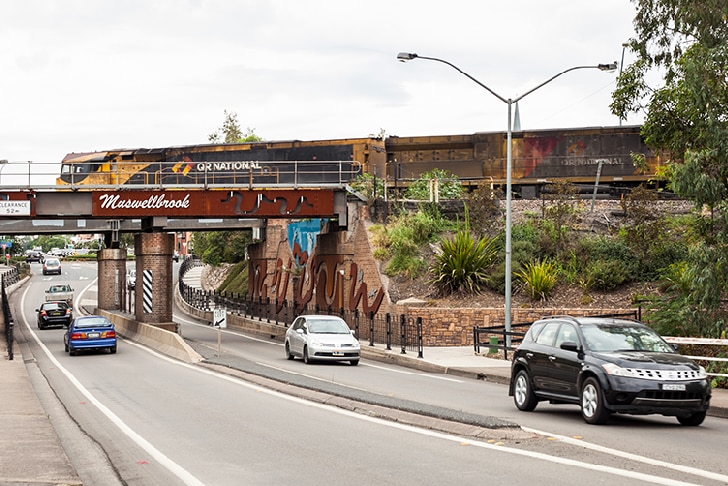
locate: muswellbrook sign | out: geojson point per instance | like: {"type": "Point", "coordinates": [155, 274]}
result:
{"type": "Point", "coordinates": [214, 203]}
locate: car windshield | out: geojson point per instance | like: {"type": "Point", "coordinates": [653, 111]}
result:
{"type": "Point", "coordinates": [624, 338]}
{"type": "Point", "coordinates": [92, 322]}
{"type": "Point", "coordinates": [328, 326]}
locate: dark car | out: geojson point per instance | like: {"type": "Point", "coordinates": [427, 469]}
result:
{"type": "Point", "coordinates": [54, 314]}
{"type": "Point", "coordinates": [607, 366]}
{"type": "Point", "coordinates": [33, 256]}
{"type": "Point", "coordinates": [90, 332]}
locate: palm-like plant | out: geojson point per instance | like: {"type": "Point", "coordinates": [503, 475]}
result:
{"type": "Point", "coordinates": [462, 263]}
{"type": "Point", "coordinates": [538, 278]}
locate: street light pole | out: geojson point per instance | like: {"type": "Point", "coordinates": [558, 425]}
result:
{"type": "Point", "coordinates": [408, 56]}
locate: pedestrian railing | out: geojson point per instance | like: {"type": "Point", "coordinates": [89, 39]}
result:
{"type": "Point", "coordinates": [8, 278]}
{"type": "Point", "coordinates": [401, 331]}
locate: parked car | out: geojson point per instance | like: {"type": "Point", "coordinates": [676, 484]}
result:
{"type": "Point", "coordinates": [52, 265]}
{"type": "Point", "coordinates": [607, 366]}
{"type": "Point", "coordinates": [54, 314]}
{"type": "Point", "coordinates": [90, 332]}
{"type": "Point", "coordinates": [324, 338]}
{"type": "Point", "coordinates": [131, 279]}
{"type": "Point", "coordinates": [33, 256]}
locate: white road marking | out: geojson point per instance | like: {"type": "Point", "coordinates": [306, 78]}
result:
{"type": "Point", "coordinates": [632, 457]}
{"type": "Point", "coordinates": [163, 460]}
{"type": "Point", "coordinates": [453, 438]}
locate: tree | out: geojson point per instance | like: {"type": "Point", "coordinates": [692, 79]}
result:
{"type": "Point", "coordinates": [687, 118]}
{"type": "Point", "coordinates": [215, 247]}
{"type": "Point", "coordinates": [230, 131]}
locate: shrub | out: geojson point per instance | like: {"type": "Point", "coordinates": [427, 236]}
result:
{"type": "Point", "coordinates": [448, 184]}
{"type": "Point", "coordinates": [461, 264]}
{"type": "Point", "coordinates": [538, 278]}
{"type": "Point", "coordinates": [608, 274]}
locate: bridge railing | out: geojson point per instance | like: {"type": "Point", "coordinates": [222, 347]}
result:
{"type": "Point", "coordinates": [86, 175]}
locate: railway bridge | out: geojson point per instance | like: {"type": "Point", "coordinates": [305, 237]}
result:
{"type": "Point", "coordinates": [152, 213]}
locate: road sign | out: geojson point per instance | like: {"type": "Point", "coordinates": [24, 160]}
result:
{"type": "Point", "coordinates": [220, 318]}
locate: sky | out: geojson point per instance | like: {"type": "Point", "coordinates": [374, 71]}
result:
{"type": "Point", "coordinates": [94, 75]}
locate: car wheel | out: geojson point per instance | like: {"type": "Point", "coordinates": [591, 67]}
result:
{"type": "Point", "coordinates": [306, 359]}
{"type": "Point", "coordinates": [354, 362]}
{"type": "Point", "coordinates": [592, 403]}
{"type": "Point", "coordinates": [112, 350]}
{"type": "Point", "coordinates": [65, 347]}
{"type": "Point", "coordinates": [288, 351]}
{"type": "Point", "coordinates": [692, 419]}
{"type": "Point", "coordinates": [523, 395]}
{"type": "Point", "coordinates": [71, 351]}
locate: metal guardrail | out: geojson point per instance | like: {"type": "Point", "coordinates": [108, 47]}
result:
{"type": "Point", "coordinates": [496, 337]}
{"type": "Point", "coordinates": [400, 331]}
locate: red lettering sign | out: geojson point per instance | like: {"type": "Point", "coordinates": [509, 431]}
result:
{"type": "Point", "coordinates": [289, 203]}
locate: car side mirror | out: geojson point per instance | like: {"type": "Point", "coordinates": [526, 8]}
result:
{"type": "Point", "coordinates": [570, 346]}
{"type": "Point", "coordinates": [299, 331]}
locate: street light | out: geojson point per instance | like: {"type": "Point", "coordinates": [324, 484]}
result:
{"type": "Point", "coordinates": [408, 56]}
{"type": "Point", "coordinates": [3, 163]}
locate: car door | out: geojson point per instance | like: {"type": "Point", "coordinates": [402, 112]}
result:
{"type": "Point", "coordinates": [297, 339]}
{"type": "Point", "coordinates": [565, 365]}
{"type": "Point", "coordinates": [538, 356]}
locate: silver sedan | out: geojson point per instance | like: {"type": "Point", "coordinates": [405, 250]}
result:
{"type": "Point", "coordinates": [322, 338]}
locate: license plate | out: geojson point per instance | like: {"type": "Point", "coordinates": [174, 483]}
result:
{"type": "Point", "coordinates": [92, 335]}
{"type": "Point", "coordinates": [673, 386]}
{"type": "Point", "coordinates": [338, 353]}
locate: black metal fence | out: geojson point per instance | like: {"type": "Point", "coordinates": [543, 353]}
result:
{"type": "Point", "coordinates": [8, 278]}
{"type": "Point", "coordinates": [399, 331]}
{"type": "Point", "coordinates": [496, 338]}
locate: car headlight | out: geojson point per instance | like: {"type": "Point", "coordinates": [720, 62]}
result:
{"type": "Point", "coordinates": [702, 373]}
{"type": "Point", "coordinates": [613, 369]}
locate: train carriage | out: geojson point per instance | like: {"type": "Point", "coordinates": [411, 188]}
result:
{"type": "Point", "coordinates": [539, 157]}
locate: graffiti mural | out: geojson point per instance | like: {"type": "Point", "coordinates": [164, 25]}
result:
{"type": "Point", "coordinates": [331, 281]}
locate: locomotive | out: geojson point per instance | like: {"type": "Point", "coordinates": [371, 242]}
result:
{"type": "Point", "coordinates": [584, 156]}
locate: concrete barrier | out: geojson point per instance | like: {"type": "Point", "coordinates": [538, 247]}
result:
{"type": "Point", "coordinates": [164, 341]}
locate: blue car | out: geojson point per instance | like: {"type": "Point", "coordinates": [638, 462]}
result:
{"type": "Point", "coordinates": [90, 332]}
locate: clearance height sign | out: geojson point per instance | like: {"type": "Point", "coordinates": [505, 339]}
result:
{"type": "Point", "coordinates": [293, 203]}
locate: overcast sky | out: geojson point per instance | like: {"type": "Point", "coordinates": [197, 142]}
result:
{"type": "Point", "coordinates": [86, 75]}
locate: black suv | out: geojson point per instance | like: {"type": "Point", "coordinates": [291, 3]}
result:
{"type": "Point", "coordinates": [607, 365]}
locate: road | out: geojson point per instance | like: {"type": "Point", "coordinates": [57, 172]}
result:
{"type": "Point", "coordinates": [138, 417]}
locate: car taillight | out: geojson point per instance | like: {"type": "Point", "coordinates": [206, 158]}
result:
{"type": "Point", "coordinates": [78, 335]}
{"type": "Point", "coordinates": [108, 334]}
{"type": "Point", "coordinates": [68, 311]}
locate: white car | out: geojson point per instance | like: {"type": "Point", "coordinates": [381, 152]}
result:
{"type": "Point", "coordinates": [322, 338]}
{"type": "Point", "coordinates": [131, 280]}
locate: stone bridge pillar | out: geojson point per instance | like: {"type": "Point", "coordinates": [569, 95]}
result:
{"type": "Point", "coordinates": [112, 278]}
{"type": "Point", "coordinates": [154, 288]}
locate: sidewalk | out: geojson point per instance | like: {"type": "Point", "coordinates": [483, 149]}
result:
{"type": "Point", "coordinates": [30, 451]}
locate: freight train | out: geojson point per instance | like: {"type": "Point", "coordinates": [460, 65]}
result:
{"type": "Point", "coordinates": [584, 156]}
